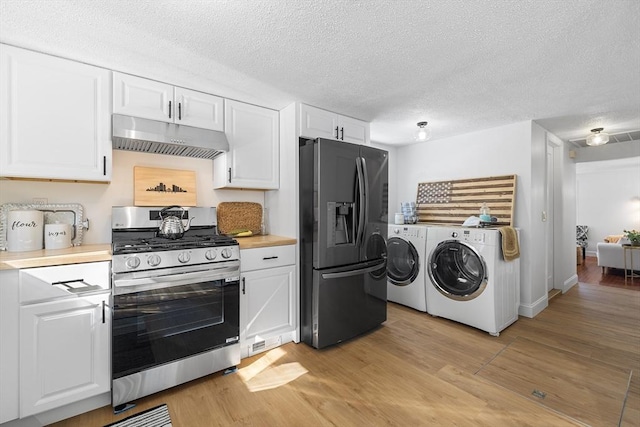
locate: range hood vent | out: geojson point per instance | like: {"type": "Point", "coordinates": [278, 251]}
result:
{"type": "Point", "coordinates": [151, 136]}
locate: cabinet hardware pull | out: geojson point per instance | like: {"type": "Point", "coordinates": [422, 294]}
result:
{"type": "Point", "coordinates": [243, 283]}
{"type": "Point", "coordinates": [342, 133]}
{"type": "Point", "coordinates": [169, 109]}
{"type": "Point", "coordinates": [270, 257]}
{"type": "Point", "coordinates": [336, 132]}
{"type": "Point", "coordinates": [229, 175]}
{"type": "Point", "coordinates": [179, 110]}
{"type": "Point", "coordinates": [103, 309]}
{"type": "Point", "coordinates": [104, 165]}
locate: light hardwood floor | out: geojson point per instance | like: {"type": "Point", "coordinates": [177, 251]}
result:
{"type": "Point", "coordinates": [417, 370]}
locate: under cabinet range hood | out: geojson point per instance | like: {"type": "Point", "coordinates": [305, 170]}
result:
{"type": "Point", "coordinates": [151, 136]}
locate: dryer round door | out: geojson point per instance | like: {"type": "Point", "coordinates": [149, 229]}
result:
{"type": "Point", "coordinates": [403, 261]}
{"type": "Point", "coordinates": [457, 270]}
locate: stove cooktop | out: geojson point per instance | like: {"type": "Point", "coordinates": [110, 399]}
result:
{"type": "Point", "coordinates": [158, 244]}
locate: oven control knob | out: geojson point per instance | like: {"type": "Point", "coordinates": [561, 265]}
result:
{"type": "Point", "coordinates": [153, 260]}
{"type": "Point", "coordinates": [184, 257]}
{"type": "Point", "coordinates": [210, 255]}
{"type": "Point", "coordinates": [226, 253]}
{"type": "Point", "coordinates": [133, 262]}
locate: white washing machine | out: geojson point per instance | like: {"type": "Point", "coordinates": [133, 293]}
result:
{"type": "Point", "coordinates": [468, 279]}
{"type": "Point", "coordinates": [406, 274]}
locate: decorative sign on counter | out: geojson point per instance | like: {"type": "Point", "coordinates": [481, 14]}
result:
{"type": "Point", "coordinates": [164, 187]}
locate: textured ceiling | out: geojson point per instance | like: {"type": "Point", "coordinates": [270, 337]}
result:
{"type": "Point", "coordinates": [462, 65]}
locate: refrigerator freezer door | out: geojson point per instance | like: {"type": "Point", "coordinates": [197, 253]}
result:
{"type": "Point", "coordinates": [337, 213]}
{"type": "Point", "coordinates": [345, 304]}
{"type": "Point", "coordinates": [375, 171]}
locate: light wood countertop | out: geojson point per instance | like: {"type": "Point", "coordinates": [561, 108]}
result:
{"type": "Point", "coordinates": [45, 258]}
{"type": "Point", "coordinates": [93, 253]}
{"type": "Point", "coordinates": [264, 241]}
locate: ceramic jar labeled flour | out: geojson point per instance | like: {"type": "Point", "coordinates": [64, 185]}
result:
{"type": "Point", "coordinates": [24, 230]}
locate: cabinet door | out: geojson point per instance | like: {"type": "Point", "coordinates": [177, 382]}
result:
{"type": "Point", "coordinates": [9, 346]}
{"type": "Point", "coordinates": [199, 109]}
{"type": "Point", "coordinates": [253, 157]}
{"type": "Point", "coordinates": [267, 303]}
{"type": "Point", "coordinates": [353, 130]}
{"type": "Point", "coordinates": [65, 352]}
{"type": "Point", "coordinates": [317, 123]}
{"type": "Point", "coordinates": [138, 97]}
{"type": "Point", "coordinates": [55, 117]}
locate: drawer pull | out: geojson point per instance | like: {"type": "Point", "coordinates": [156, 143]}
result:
{"type": "Point", "coordinates": [270, 257]}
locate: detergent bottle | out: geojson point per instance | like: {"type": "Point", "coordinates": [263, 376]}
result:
{"type": "Point", "coordinates": [484, 213]}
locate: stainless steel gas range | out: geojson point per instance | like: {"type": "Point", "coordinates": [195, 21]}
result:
{"type": "Point", "coordinates": [175, 299]}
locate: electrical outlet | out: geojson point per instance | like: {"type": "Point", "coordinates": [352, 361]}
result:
{"type": "Point", "coordinates": [40, 200]}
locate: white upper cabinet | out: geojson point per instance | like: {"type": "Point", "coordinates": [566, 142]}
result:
{"type": "Point", "coordinates": [55, 118]}
{"type": "Point", "coordinates": [149, 99]}
{"type": "Point", "coordinates": [318, 123]}
{"type": "Point", "coordinates": [253, 158]}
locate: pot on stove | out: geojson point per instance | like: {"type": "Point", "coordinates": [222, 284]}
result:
{"type": "Point", "coordinates": [172, 227]}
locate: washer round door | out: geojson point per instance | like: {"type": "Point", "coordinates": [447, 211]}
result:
{"type": "Point", "coordinates": [403, 261]}
{"type": "Point", "coordinates": [457, 270]}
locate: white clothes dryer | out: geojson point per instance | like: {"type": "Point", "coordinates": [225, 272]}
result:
{"type": "Point", "coordinates": [469, 281]}
{"type": "Point", "coordinates": [406, 275]}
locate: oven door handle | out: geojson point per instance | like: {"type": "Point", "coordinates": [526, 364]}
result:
{"type": "Point", "coordinates": [127, 286]}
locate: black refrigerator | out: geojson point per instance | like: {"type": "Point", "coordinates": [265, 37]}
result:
{"type": "Point", "coordinates": [343, 233]}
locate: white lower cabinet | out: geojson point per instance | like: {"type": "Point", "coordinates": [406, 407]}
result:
{"type": "Point", "coordinates": [9, 346]}
{"type": "Point", "coordinates": [64, 352]}
{"type": "Point", "coordinates": [268, 295]}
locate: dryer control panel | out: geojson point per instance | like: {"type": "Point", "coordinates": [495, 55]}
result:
{"type": "Point", "coordinates": [415, 231]}
{"type": "Point", "coordinates": [472, 236]}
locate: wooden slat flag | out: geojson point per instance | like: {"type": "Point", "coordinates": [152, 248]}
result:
{"type": "Point", "coordinates": [452, 202]}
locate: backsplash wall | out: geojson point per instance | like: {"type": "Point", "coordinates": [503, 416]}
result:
{"type": "Point", "coordinates": [97, 199]}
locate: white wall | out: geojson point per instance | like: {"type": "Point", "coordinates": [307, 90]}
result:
{"type": "Point", "coordinates": [519, 149]}
{"type": "Point", "coordinates": [608, 198]}
{"type": "Point", "coordinates": [97, 199]}
{"type": "Point", "coordinates": [499, 151]}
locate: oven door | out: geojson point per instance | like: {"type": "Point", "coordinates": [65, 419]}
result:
{"type": "Point", "coordinates": [164, 315]}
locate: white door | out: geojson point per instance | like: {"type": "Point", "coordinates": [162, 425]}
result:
{"type": "Point", "coordinates": [138, 97]}
{"type": "Point", "coordinates": [267, 303]}
{"type": "Point", "coordinates": [353, 130]}
{"type": "Point", "coordinates": [549, 217]}
{"type": "Point", "coordinates": [253, 158]}
{"type": "Point", "coordinates": [199, 109]}
{"type": "Point", "coordinates": [65, 352]}
{"type": "Point", "coordinates": [317, 123]}
{"type": "Point", "coordinates": [56, 118]}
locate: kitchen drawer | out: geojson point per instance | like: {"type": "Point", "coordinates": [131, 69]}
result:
{"type": "Point", "coordinates": [36, 283]}
{"type": "Point", "coordinates": [259, 258]}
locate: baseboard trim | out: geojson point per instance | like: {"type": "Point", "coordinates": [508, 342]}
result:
{"type": "Point", "coordinates": [569, 283]}
{"type": "Point", "coordinates": [533, 309]}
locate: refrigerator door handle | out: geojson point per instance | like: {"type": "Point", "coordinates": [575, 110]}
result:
{"type": "Point", "coordinates": [362, 211]}
{"type": "Point", "coordinates": [357, 272]}
{"type": "Point", "coordinates": [365, 178]}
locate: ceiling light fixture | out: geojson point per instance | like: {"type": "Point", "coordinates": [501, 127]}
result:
{"type": "Point", "coordinates": [422, 133]}
{"type": "Point", "coordinates": [597, 137]}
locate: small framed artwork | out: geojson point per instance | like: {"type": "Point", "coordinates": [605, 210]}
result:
{"type": "Point", "coordinates": [164, 187]}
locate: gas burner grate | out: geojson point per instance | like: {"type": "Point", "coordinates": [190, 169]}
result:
{"type": "Point", "coordinates": [162, 244]}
